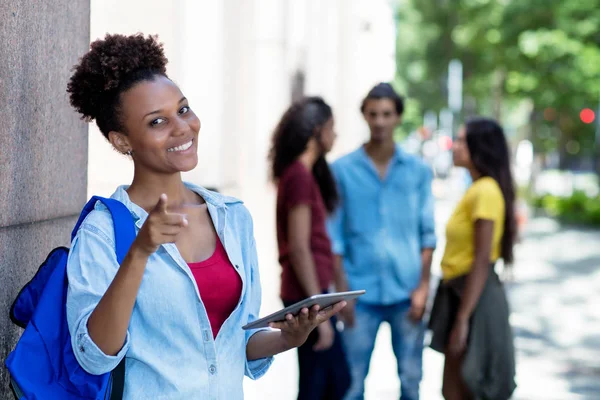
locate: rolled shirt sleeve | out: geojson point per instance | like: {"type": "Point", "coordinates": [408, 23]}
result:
{"type": "Point", "coordinates": [426, 212]}
{"type": "Point", "coordinates": [91, 267]}
{"type": "Point", "coordinates": [89, 355]}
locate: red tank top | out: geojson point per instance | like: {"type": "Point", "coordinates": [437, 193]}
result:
{"type": "Point", "coordinates": [220, 286]}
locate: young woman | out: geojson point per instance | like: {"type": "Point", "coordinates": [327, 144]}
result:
{"type": "Point", "coordinates": [469, 319]}
{"type": "Point", "coordinates": [176, 305]}
{"type": "Point", "coordinates": [306, 193]}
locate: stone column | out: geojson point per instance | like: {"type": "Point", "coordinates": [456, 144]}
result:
{"type": "Point", "coordinates": [43, 144]}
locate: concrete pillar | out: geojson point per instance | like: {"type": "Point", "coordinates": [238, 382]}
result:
{"type": "Point", "coordinates": [43, 144]}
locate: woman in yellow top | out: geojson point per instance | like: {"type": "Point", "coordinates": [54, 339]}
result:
{"type": "Point", "coordinates": [469, 319]}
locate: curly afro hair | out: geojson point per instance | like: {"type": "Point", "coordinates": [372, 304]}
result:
{"type": "Point", "coordinates": [112, 66]}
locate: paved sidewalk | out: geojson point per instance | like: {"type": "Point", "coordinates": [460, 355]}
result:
{"type": "Point", "coordinates": [555, 301]}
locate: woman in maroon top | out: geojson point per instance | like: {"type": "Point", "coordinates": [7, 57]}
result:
{"type": "Point", "coordinates": [306, 193]}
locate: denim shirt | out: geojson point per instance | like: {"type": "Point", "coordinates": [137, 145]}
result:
{"type": "Point", "coordinates": [169, 348]}
{"type": "Point", "coordinates": [382, 225]}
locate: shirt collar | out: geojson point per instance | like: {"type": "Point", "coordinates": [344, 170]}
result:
{"type": "Point", "coordinates": [213, 200]}
{"type": "Point", "coordinates": [398, 157]}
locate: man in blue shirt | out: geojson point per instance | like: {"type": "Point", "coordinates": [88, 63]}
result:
{"type": "Point", "coordinates": [383, 233]}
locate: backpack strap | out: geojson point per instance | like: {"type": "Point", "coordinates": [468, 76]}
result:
{"type": "Point", "coordinates": [118, 381]}
{"type": "Point", "coordinates": [124, 226]}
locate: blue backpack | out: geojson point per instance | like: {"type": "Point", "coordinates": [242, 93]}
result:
{"type": "Point", "coordinates": [42, 365]}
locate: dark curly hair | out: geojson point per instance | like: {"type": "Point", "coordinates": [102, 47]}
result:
{"type": "Point", "coordinates": [302, 121]}
{"type": "Point", "coordinates": [112, 66]}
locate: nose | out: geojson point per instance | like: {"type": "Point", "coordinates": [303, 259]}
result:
{"type": "Point", "coordinates": [379, 122]}
{"type": "Point", "coordinates": [180, 126]}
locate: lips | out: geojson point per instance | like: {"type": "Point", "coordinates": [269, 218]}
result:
{"type": "Point", "coordinates": [182, 147]}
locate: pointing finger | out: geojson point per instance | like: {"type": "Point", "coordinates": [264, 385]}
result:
{"type": "Point", "coordinates": [161, 205]}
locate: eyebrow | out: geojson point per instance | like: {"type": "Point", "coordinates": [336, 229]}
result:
{"type": "Point", "coordinates": [159, 111]}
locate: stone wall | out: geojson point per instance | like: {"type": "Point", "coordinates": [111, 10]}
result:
{"type": "Point", "coordinates": [43, 144]}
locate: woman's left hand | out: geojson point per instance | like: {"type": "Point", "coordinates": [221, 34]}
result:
{"type": "Point", "coordinates": [295, 329]}
{"type": "Point", "coordinates": [458, 337]}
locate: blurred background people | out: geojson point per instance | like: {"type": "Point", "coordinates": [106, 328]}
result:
{"type": "Point", "coordinates": [470, 314]}
{"type": "Point", "coordinates": [383, 237]}
{"type": "Point", "coordinates": [306, 194]}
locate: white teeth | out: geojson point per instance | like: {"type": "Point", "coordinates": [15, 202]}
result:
{"type": "Point", "coordinates": [183, 147]}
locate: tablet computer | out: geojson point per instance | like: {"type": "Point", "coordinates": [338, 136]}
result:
{"type": "Point", "coordinates": [323, 300]}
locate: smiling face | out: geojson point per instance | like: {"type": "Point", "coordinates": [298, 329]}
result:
{"type": "Point", "coordinates": [160, 128]}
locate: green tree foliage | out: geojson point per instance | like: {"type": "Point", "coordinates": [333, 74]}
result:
{"type": "Point", "coordinates": [543, 51]}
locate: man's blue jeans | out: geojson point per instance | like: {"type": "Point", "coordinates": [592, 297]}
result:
{"type": "Point", "coordinates": [407, 342]}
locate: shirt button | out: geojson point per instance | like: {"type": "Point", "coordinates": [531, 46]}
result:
{"type": "Point", "coordinates": [212, 369]}
{"type": "Point", "coordinates": [81, 349]}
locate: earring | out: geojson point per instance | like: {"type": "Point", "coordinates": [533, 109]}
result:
{"type": "Point", "coordinates": [129, 153]}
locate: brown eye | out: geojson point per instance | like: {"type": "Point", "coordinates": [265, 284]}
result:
{"type": "Point", "coordinates": [157, 121]}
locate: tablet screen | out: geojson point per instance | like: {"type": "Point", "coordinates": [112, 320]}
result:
{"type": "Point", "coordinates": [323, 300]}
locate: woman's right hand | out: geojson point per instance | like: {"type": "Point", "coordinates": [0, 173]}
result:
{"type": "Point", "coordinates": [160, 227]}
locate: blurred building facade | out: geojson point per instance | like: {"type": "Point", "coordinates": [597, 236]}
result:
{"type": "Point", "coordinates": [240, 62]}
